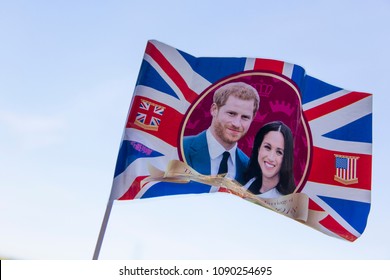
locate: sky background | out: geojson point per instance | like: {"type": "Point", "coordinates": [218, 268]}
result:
{"type": "Point", "coordinates": [67, 74]}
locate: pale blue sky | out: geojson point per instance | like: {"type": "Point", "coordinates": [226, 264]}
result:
{"type": "Point", "coordinates": [67, 73]}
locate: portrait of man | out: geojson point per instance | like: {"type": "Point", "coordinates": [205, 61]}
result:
{"type": "Point", "coordinates": [214, 150]}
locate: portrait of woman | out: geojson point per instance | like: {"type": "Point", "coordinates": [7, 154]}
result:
{"type": "Point", "coordinates": [270, 170]}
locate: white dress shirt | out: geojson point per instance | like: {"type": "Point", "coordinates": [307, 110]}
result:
{"type": "Point", "coordinates": [216, 151]}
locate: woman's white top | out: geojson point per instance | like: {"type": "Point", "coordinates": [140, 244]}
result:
{"type": "Point", "coordinates": [272, 193]}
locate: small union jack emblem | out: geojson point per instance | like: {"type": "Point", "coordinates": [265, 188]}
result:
{"type": "Point", "coordinates": [149, 115]}
{"type": "Point", "coordinates": [346, 169]}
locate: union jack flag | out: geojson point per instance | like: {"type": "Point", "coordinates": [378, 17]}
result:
{"type": "Point", "coordinates": [341, 126]}
{"type": "Point", "coordinates": [149, 115]}
{"type": "Point", "coordinates": [326, 121]}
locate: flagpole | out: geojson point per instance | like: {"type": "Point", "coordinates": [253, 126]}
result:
{"type": "Point", "coordinates": [109, 206]}
{"type": "Point", "coordinates": [103, 229]}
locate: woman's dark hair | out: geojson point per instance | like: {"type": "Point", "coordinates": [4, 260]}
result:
{"type": "Point", "coordinates": [286, 182]}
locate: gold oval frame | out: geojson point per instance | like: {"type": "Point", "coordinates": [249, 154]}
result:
{"type": "Point", "coordinates": [245, 74]}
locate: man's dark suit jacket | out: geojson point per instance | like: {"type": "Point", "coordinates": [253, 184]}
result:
{"type": "Point", "coordinates": [197, 155]}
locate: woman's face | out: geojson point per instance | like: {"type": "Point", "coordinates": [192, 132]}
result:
{"type": "Point", "coordinates": [271, 154]}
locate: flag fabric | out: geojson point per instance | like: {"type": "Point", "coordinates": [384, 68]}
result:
{"type": "Point", "coordinates": [332, 129]}
{"type": "Point", "coordinates": [339, 183]}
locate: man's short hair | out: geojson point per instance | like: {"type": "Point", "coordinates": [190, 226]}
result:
{"type": "Point", "coordinates": [240, 90]}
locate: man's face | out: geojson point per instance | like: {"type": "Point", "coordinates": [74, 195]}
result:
{"type": "Point", "coordinates": [231, 121]}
